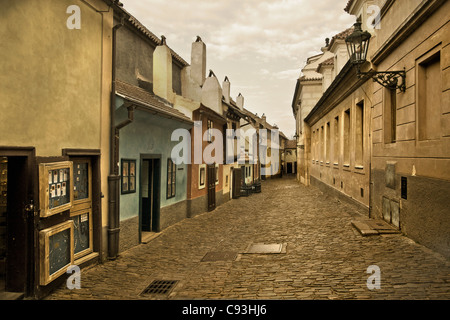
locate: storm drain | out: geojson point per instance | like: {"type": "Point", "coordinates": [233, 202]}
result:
{"type": "Point", "coordinates": [219, 256]}
{"type": "Point", "coordinates": [160, 287]}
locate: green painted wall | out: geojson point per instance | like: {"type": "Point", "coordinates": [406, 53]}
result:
{"type": "Point", "coordinates": [149, 134]}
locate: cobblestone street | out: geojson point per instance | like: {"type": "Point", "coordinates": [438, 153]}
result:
{"type": "Point", "coordinates": [325, 257]}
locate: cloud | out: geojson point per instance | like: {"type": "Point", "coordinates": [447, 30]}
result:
{"type": "Point", "coordinates": [259, 44]}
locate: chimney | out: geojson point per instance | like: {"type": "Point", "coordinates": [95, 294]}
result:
{"type": "Point", "coordinates": [198, 61]}
{"type": "Point", "coordinates": [226, 90]}
{"type": "Point", "coordinates": [162, 71]}
{"type": "Point", "coordinates": [240, 101]}
{"type": "Point", "coordinates": [212, 93]}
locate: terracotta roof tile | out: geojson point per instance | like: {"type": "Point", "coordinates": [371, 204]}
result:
{"type": "Point", "coordinates": [349, 4]}
{"type": "Point", "coordinates": [341, 36]}
{"type": "Point", "coordinates": [148, 101]}
{"type": "Point", "coordinates": [290, 144]}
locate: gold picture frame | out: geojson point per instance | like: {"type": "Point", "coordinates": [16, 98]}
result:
{"type": "Point", "coordinates": [55, 188]}
{"type": "Point", "coordinates": [52, 266]}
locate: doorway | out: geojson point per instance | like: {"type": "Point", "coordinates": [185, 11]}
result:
{"type": "Point", "coordinates": [211, 178]}
{"type": "Point", "coordinates": [289, 168]}
{"type": "Point", "coordinates": [15, 223]}
{"type": "Point", "coordinates": [150, 191]}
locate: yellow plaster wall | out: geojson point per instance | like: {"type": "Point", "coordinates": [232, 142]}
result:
{"type": "Point", "coordinates": [51, 76]}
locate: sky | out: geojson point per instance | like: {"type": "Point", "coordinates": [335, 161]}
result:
{"type": "Point", "coordinates": [260, 45]}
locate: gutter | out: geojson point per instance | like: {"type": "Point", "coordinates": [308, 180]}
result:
{"type": "Point", "coordinates": [113, 177]}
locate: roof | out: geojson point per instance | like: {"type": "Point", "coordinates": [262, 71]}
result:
{"type": "Point", "coordinates": [328, 62]}
{"type": "Point", "coordinates": [150, 35]}
{"type": "Point", "coordinates": [349, 5]}
{"type": "Point", "coordinates": [341, 35]}
{"type": "Point", "coordinates": [290, 144]}
{"type": "Point", "coordinates": [148, 101]}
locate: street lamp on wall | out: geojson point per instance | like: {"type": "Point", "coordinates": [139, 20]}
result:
{"type": "Point", "coordinates": [358, 47]}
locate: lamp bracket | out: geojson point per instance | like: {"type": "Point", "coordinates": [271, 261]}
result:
{"type": "Point", "coordinates": [388, 79]}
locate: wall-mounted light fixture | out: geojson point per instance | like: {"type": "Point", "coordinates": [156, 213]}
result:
{"type": "Point", "coordinates": [358, 47]}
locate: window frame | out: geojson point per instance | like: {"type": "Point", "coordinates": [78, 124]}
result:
{"type": "Point", "coordinates": [128, 176]}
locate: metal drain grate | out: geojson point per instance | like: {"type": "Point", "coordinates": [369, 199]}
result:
{"type": "Point", "coordinates": [160, 287]}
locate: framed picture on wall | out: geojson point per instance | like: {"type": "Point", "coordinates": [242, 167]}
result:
{"type": "Point", "coordinates": [55, 187]}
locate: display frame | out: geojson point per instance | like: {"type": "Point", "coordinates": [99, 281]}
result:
{"type": "Point", "coordinates": [44, 244]}
{"type": "Point", "coordinates": [90, 249]}
{"type": "Point", "coordinates": [44, 187]}
{"type": "Point", "coordinates": [86, 202]}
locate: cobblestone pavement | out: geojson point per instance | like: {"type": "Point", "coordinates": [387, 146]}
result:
{"type": "Point", "coordinates": [325, 257]}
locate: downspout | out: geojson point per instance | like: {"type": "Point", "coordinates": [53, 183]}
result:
{"type": "Point", "coordinates": [113, 178]}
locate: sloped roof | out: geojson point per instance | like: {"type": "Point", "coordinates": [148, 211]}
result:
{"type": "Point", "coordinates": [150, 35]}
{"type": "Point", "coordinates": [341, 35]}
{"type": "Point", "coordinates": [290, 144]}
{"type": "Point", "coordinates": [328, 62]}
{"type": "Point", "coordinates": [349, 5]}
{"type": "Point", "coordinates": [148, 101]}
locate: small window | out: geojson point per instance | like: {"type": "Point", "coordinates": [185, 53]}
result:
{"type": "Point", "coordinates": [209, 130]}
{"type": "Point", "coordinates": [201, 177]}
{"type": "Point", "coordinates": [128, 176]}
{"type": "Point", "coordinates": [171, 178]}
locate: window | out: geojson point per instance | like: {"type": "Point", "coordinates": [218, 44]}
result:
{"type": "Point", "coordinates": [313, 146]}
{"type": "Point", "coordinates": [347, 138]}
{"type": "Point", "coordinates": [171, 178]}
{"type": "Point", "coordinates": [209, 127]}
{"type": "Point", "coordinates": [322, 144]}
{"type": "Point", "coordinates": [201, 176]}
{"type": "Point", "coordinates": [327, 144]}
{"type": "Point", "coordinates": [390, 116]}
{"type": "Point", "coordinates": [429, 96]}
{"type": "Point", "coordinates": [359, 127]}
{"type": "Point", "coordinates": [336, 141]}
{"type": "Point", "coordinates": [128, 176]}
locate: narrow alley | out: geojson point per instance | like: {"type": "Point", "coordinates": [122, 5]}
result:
{"type": "Point", "coordinates": [315, 253]}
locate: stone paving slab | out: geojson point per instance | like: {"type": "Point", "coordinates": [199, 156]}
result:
{"type": "Point", "coordinates": [325, 256]}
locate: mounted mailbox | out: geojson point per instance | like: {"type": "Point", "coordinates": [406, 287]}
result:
{"type": "Point", "coordinates": [55, 188]}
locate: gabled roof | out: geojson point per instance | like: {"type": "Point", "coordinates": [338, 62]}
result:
{"type": "Point", "coordinates": [341, 36]}
{"type": "Point", "coordinates": [148, 34]}
{"type": "Point", "coordinates": [148, 102]}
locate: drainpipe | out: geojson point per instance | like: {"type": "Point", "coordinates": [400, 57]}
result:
{"type": "Point", "coordinates": [113, 178]}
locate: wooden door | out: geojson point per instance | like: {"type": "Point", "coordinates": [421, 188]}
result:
{"type": "Point", "coordinates": [211, 180]}
{"type": "Point", "coordinates": [81, 212]}
{"type": "Point", "coordinates": [14, 222]}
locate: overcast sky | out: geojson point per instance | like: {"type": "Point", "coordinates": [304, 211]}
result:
{"type": "Point", "coordinates": [261, 45]}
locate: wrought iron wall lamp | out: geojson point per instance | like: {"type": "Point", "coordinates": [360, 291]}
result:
{"type": "Point", "coordinates": [358, 46]}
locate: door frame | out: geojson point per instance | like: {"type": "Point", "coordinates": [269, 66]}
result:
{"type": "Point", "coordinates": [30, 192]}
{"type": "Point", "coordinates": [157, 192]}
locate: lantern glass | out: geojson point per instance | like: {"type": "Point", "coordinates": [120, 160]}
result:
{"type": "Point", "coordinates": [358, 45]}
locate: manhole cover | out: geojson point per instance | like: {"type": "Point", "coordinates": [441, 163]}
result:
{"type": "Point", "coordinates": [265, 248]}
{"type": "Point", "coordinates": [160, 287]}
{"type": "Point", "coordinates": [220, 256]}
